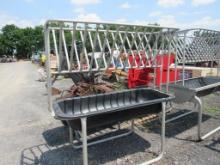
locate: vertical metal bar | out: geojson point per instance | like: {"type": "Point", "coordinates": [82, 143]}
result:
{"type": "Point", "coordinates": [125, 51]}
{"type": "Point", "coordinates": [83, 39]}
{"type": "Point", "coordinates": [199, 108]}
{"type": "Point", "coordinates": [56, 50]}
{"type": "Point", "coordinates": [162, 137]}
{"type": "Point", "coordinates": [132, 125]}
{"type": "Point", "coordinates": [134, 62]}
{"type": "Point", "coordinates": [148, 45]}
{"type": "Point", "coordinates": [72, 46]}
{"type": "Point", "coordinates": [184, 60]}
{"type": "Point", "coordinates": [109, 48]}
{"type": "Point", "coordinates": [141, 63]}
{"type": "Point", "coordinates": [116, 46]}
{"type": "Point", "coordinates": [84, 140]}
{"type": "Point", "coordinates": [163, 126]}
{"type": "Point", "coordinates": [175, 66]}
{"type": "Point", "coordinates": [218, 67]}
{"type": "Point", "coordinates": [168, 67]}
{"type": "Point", "coordinates": [60, 47]}
{"type": "Point", "coordinates": [49, 82]}
{"type": "Point", "coordinates": [141, 44]}
{"type": "Point", "coordinates": [65, 50]}
{"type": "Point", "coordinates": [93, 52]}
{"type": "Point", "coordinates": [155, 62]}
{"type": "Point", "coordinates": [71, 135]}
{"type": "Point", "coordinates": [75, 47]}
{"type": "Point", "coordinates": [162, 63]}
{"type": "Point", "coordinates": [102, 47]}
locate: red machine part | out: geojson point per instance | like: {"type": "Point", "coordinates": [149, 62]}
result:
{"type": "Point", "coordinates": [144, 77]}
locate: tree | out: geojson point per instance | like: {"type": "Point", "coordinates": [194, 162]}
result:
{"type": "Point", "coordinates": [21, 42]}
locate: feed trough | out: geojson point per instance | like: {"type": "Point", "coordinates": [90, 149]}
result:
{"type": "Point", "coordinates": [200, 86]}
{"type": "Point", "coordinates": [137, 102]}
{"type": "Point", "coordinates": [90, 48]}
{"type": "Point", "coordinates": [196, 46]}
{"type": "Point", "coordinates": [102, 110]}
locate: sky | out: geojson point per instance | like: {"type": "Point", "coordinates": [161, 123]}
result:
{"type": "Point", "coordinates": [173, 13]}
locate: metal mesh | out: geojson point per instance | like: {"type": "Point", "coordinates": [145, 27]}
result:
{"type": "Point", "coordinates": [197, 45]}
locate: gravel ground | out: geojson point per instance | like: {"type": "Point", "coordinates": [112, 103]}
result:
{"type": "Point", "coordinates": [29, 135]}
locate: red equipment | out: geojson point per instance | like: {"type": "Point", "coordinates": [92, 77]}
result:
{"type": "Point", "coordinates": [145, 76]}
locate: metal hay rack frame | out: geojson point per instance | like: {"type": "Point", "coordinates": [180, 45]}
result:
{"type": "Point", "coordinates": [93, 47]}
{"type": "Point", "coordinates": [196, 46]}
{"type": "Point", "coordinates": [89, 47]}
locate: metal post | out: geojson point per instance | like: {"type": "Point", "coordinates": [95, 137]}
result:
{"type": "Point", "coordinates": [199, 106]}
{"type": "Point", "coordinates": [163, 127]}
{"type": "Point", "coordinates": [218, 67]}
{"type": "Point", "coordinates": [71, 135]}
{"type": "Point", "coordinates": [47, 51]}
{"type": "Point", "coordinates": [184, 59]}
{"type": "Point", "coordinates": [132, 125]}
{"type": "Point", "coordinates": [84, 137]}
{"type": "Point", "coordinates": [162, 137]}
{"type": "Point", "coordinates": [168, 67]}
{"type": "Point", "coordinates": [161, 65]}
{"type": "Point", "coordinates": [175, 66]}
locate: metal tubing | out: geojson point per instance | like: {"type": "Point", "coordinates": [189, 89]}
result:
{"type": "Point", "coordinates": [210, 133]}
{"type": "Point", "coordinates": [132, 125]}
{"type": "Point", "coordinates": [49, 82]}
{"type": "Point", "coordinates": [200, 108]}
{"type": "Point", "coordinates": [162, 137]}
{"type": "Point", "coordinates": [106, 23]}
{"type": "Point", "coordinates": [178, 117]}
{"type": "Point", "coordinates": [103, 140]}
{"type": "Point", "coordinates": [84, 137]}
{"type": "Point", "coordinates": [218, 67]}
{"type": "Point", "coordinates": [71, 135]}
{"type": "Point", "coordinates": [184, 59]}
{"type": "Point", "coordinates": [168, 67]}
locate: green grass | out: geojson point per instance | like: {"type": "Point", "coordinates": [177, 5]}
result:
{"type": "Point", "coordinates": [212, 110]}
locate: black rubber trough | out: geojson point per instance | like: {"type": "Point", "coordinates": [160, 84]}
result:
{"type": "Point", "coordinates": [110, 108]}
{"type": "Point", "coordinates": [200, 86]}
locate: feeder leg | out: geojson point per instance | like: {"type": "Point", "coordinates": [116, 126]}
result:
{"type": "Point", "coordinates": [71, 135]}
{"type": "Point", "coordinates": [132, 125]}
{"type": "Point", "coordinates": [199, 107]}
{"type": "Point", "coordinates": [84, 137]}
{"type": "Point", "coordinates": [163, 127]}
{"type": "Point", "coordinates": [162, 137]}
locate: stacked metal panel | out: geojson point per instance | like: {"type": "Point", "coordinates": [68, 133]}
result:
{"type": "Point", "coordinates": [197, 45]}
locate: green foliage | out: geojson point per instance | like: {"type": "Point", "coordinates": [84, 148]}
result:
{"type": "Point", "coordinates": [21, 42]}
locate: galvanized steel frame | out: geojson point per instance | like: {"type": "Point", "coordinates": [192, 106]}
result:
{"type": "Point", "coordinates": [125, 36]}
{"type": "Point", "coordinates": [197, 45]}
{"type": "Point", "coordinates": [193, 46]}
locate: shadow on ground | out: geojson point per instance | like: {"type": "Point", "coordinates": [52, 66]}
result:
{"type": "Point", "coordinates": [57, 151]}
{"type": "Point", "coordinates": [214, 145]}
{"type": "Point", "coordinates": [177, 126]}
